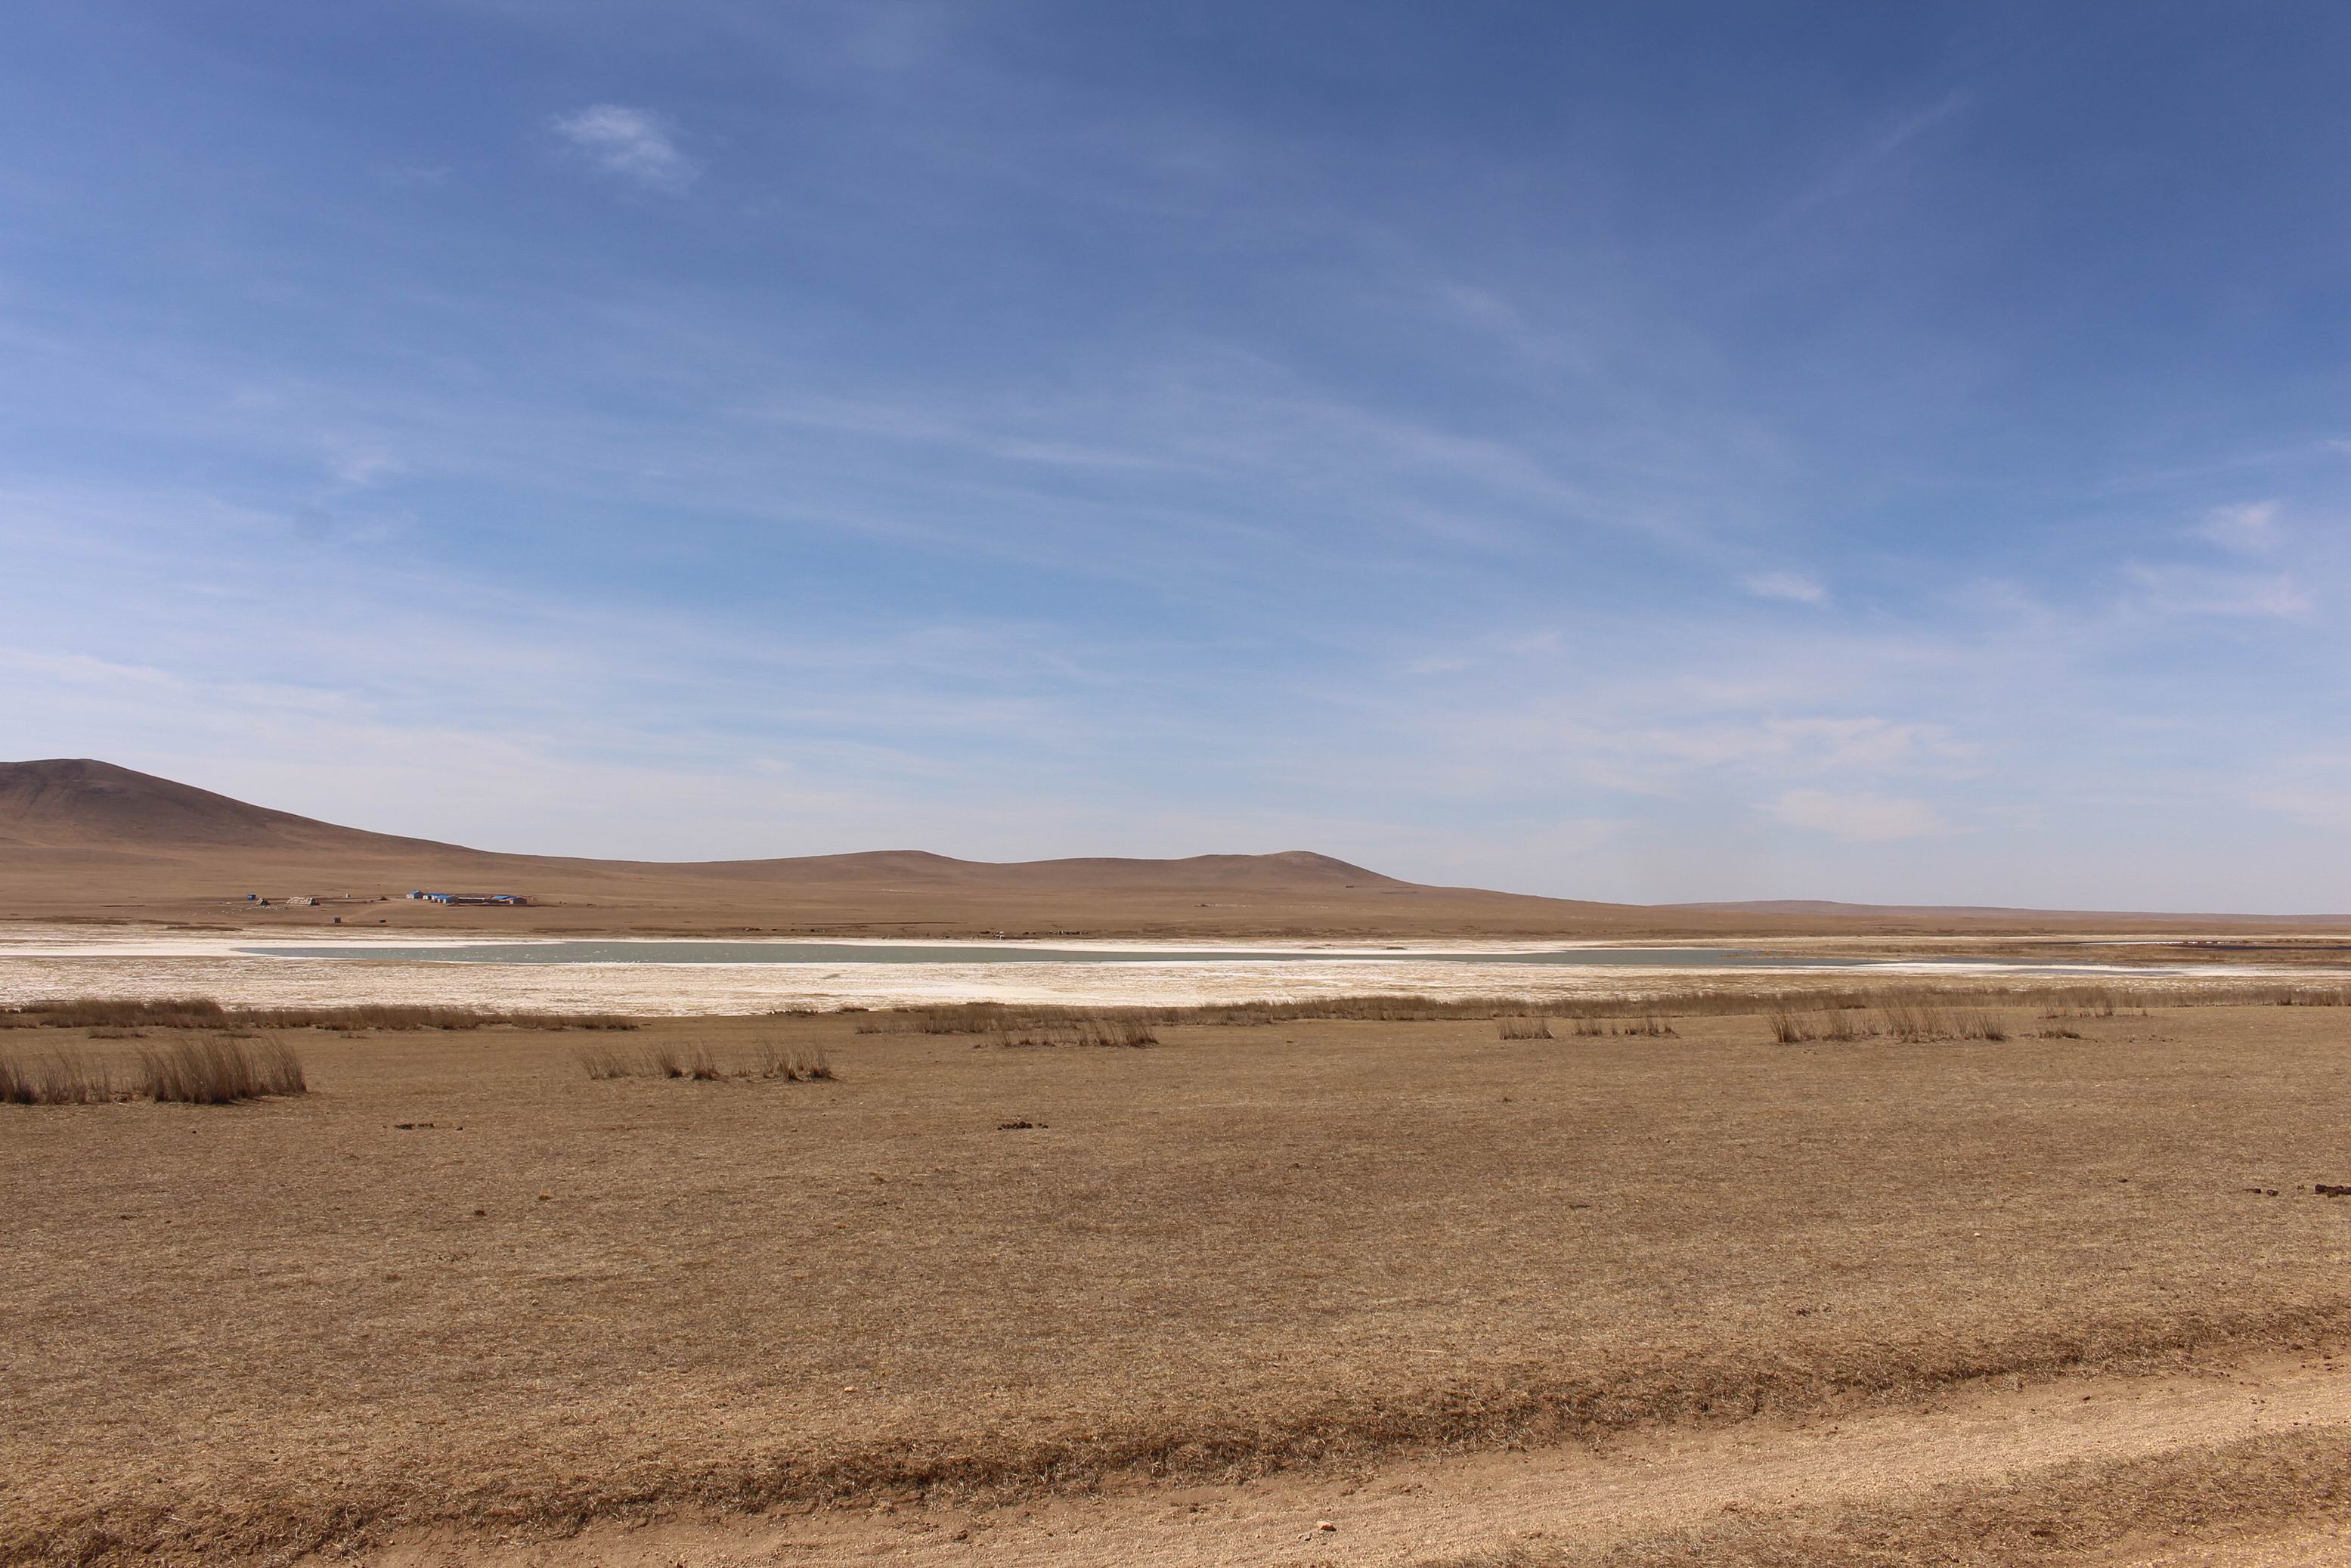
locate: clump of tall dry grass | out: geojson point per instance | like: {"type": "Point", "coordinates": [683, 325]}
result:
{"type": "Point", "coordinates": [607, 1063]}
{"type": "Point", "coordinates": [1040, 1026]}
{"type": "Point", "coordinates": [696, 1062]}
{"type": "Point", "coordinates": [1915, 1018]}
{"type": "Point", "coordinates": [791, 1063]}
{"type": "Point", "coordinates": [2108, 1001]}
{"type": "Point", "coordinates": [2311, 996]}
{"type": "Point", "coordinates": [1909, 1016]}
{"type": "Point", "coordinates": [218, 1069]}
{"type": "Point", "coordinates": [1523, 1029]}
{"type": "Point", "coordinates": [1790, 1027]}
{"type": "Point", "coordinates": [57, 1078]}
{"type": "Point", "coordinates": [1114, 1031]}
{"type": "Point", "coordinates": [215, 1070]}
{"type": "Point", "coordinates": [1649, 1025]}
{"type": "Point", "coordinates": [204, 1013]}
{"type": "Point", "coordinates": [1642, 1011]}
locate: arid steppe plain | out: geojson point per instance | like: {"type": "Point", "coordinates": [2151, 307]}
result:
{"type": "Point", "coordinates": [1834, 1267]}
{"type": "Point", "coordinates": [1618, 1297]}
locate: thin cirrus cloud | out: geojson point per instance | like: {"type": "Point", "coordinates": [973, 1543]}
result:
{"type": "Point", "coordinates": [632, 144]}
{"type": "Point", "coordinates": [1053, 445]}
{"type": "Point", "coordinates": [2192, 590]}
{"type": "Point", "coordinates": [1859, 816]}
{"type": "Point", "coordinates": [1795, 587]}
{"type": "Point", "coordinates": [2248, 527]}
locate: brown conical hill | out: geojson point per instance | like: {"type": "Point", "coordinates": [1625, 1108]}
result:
{"type": "Point", "coordinates": [83, 838]}
{"type": "Point", "coordinates": [81, 803]}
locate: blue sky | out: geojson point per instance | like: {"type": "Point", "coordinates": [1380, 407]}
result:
{"type": "Point", "coordinates": [1640, 452]}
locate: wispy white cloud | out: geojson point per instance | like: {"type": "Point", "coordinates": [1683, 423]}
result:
{"type": "Point", "coordinates": [1861, 817]}
{"type": "Point", "coordinates": [2249, 528]}
{"type": "Point", "coordinates": [358, 466]}
{"type": "Point", "coordinates": [2188, 591]}
{"type": "Point", "coordinates": [1801, 588]}
{"type": "Point", "coordinates": [2316, 804]}
{"type": "Point", "coordinates": [636, 144]}
{"type": "Point", "coordinates": [2313, 788]}
{"type": "Point", "coordinates": [1866, 162]}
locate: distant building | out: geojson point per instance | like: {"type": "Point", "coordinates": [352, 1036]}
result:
{"type": "Point", "coordinates": [512, 899]}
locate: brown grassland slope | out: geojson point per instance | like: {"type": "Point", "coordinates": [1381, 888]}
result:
{"type": "Point", "coordinates": [462, 1286]}
{"type": "Point", "coordinates": [83, 839]}
{"type": "Point", "coordinates": [86, 839]}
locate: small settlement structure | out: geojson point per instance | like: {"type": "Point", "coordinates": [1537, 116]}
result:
{"type": "Point", "coordinates": [501, 898]}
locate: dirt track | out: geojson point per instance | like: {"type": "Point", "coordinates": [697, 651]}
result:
{"type": "Point", "coordinates": [1446, 1507]}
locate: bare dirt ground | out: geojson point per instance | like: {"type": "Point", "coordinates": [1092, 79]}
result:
{"type": "Point", "coordinates": [463, 1302]}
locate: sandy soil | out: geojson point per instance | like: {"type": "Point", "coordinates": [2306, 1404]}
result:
{"type": "Point", "coordinates": [462, 1287]}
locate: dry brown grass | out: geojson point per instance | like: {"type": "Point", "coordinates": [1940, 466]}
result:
{"type": "Point", "coordinates": [57, 1077]}
{"type": "Point", "coordinates": [219, 1069]}
{"type": "Point", "coordinates": [1932, 1002]}
{"type": "Point", "coordinates": [767, 1060]}
{"type": "Point", "coordinates": [2048, 1514]}
{"type": "Point", "coordinates": [1898, 1016]}
{"type": "Point", "coordinates": [1312, 1241]}
{"type": "Point", "coordinates": [1523, 1029]}
{"type": "Point", "coordinates": [1113, 1031]}
{"type": "Point", "coordinates": [214, 1069]}
{"type": "Point", "coordinates": [790, 1062]}
{"type": "Point", "coordinates": [607, 1063]}
{"type": "Point", "coordinates": [205, 1013]}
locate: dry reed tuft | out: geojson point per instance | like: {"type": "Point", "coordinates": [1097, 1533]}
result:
{"type": "Point", "coordinates": [605, 1064]}
{"type": "Point", "coordinates": [1117, 1030]}
{"type": "Point", "coordinates": [219, 1071]}
{"type": "Point", "coordinates": [60, 1077]}
{"type": "Point", "coordinates": [1523, 1029]}
{"type": "Point", "coordinates": [1645, 1014]}
{"type": "Point", "coordinates": [1913, 1017]}
{"type": "Point", "coordinates": [1903, 1017]}
{"type": "Point", "coordinates": [771, 1060]}
{"type": "Point", "coordinates": [205, 1013]}
{"type": "Point", "coordinates": [791, 1063]}
{"type": "Point", "coordinates": [1983, 1025]}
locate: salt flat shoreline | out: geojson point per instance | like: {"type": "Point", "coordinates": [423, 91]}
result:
{"type": "Point", "coordinates": [42, 963]}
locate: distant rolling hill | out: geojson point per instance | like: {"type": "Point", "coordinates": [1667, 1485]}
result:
{"type": "Point", "coordinates": [77, 803]}
{"type": "Point", "coordinates": [79, 838]}
{"type": "Point", "coordinates": [83, 839]}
